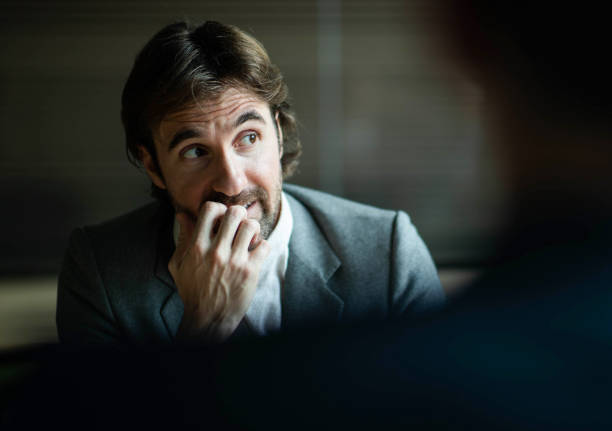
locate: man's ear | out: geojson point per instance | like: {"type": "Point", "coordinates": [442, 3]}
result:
{"type": "Point", "coordinates": [152, 168]}
{"type": "Point", "coordinates": [280, 135]}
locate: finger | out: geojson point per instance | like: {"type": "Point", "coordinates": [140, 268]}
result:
{"type": "Point", "coordinates": [247, 232]}
{"type": "Point", "coordinates": [259, 253]}
{"type": "Point", "coordinates": [229, 225]}
{"type": "Point", "coordinates": [209, 214]}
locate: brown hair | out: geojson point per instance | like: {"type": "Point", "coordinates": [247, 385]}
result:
{"type": "Point", "coordinates": [183, 64]}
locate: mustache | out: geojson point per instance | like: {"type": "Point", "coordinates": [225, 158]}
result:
{"type": "Point", "coordinates": [243, 198]}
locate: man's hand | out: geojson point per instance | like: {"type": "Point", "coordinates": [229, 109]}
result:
{"type": "Point", "coordinates": [216, 273]}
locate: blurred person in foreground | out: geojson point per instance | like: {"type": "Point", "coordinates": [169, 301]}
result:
{"type": "Point", "coordinates": [545, 77]}
{"type": "Point", "coordinates": [227, 249]}
{"type": "Point", "coordinates": [529, 344]}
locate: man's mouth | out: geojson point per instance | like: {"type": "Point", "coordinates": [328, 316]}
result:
{"type": "Point", "coordinates": [249, 205]}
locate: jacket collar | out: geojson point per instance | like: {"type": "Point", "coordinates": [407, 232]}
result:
{"type": "Point", "coordinates": [307, 300]}
{"type": "Point", "coordinates": [172, 308]}
{"type": "Point", "coordinates": [165, 248]}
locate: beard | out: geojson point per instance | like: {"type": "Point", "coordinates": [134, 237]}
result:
{"type": "Point", "coordinates": [270, 205]}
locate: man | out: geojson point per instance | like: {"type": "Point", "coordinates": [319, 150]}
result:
{"type": "Point", "coordinates": [227, 250]}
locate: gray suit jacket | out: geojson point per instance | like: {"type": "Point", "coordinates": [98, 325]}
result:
{"type": "Point", "coordinates": [347, 261]}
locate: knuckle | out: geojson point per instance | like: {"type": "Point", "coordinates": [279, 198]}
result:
{"type": "Point", "coordinates": [235, 265]}
{"type": "Point", "coordinates": [237, 211]}
{"type": "Point", "coordinates": [252, 224]}
{"type": "Point", "coordinates": [216, 257]}
{"type": "Point", "coordinates": [197, 250]}
{"type": "Point", "coordinates": [210, 206]}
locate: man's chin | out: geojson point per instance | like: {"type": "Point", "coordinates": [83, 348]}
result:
{"type": "Point", "coordinates": [266, 216]}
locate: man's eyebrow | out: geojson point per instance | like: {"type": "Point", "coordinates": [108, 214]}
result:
{"type": "Point", "coordinates": [248, 116]}
{"type": "Point", "coordinates": [183, 135]}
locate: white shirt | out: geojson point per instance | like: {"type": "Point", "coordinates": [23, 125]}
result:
{"type": "Point", "coordinates": [264, 313]}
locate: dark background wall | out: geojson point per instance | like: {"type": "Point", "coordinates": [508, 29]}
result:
{"type": "Point", "coordinates": [383, 120]}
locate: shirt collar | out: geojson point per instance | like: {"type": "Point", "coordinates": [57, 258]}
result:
{"type": "Point", "coordinates": [279, 238]}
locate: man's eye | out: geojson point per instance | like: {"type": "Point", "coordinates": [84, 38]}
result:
{"type": "Point", "coordinates": [194, 153]}
{"type": "Point", "coordinates": [248, 139]}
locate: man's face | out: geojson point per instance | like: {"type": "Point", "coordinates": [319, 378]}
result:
{"type": "Point", "coordinates": [224, 150]}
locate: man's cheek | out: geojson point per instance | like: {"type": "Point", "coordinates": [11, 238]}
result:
{"type": "Point", "coordinates": [184, 205]}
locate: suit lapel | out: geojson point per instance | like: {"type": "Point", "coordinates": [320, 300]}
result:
{"type": "Point", "coordinates": [307, 299]}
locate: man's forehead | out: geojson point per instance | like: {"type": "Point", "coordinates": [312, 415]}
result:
{"type": "Point", "coordinates": [222, 107]}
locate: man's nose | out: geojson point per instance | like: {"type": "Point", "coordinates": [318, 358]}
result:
{"type": "Point", "coordinates": [230, 178]}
